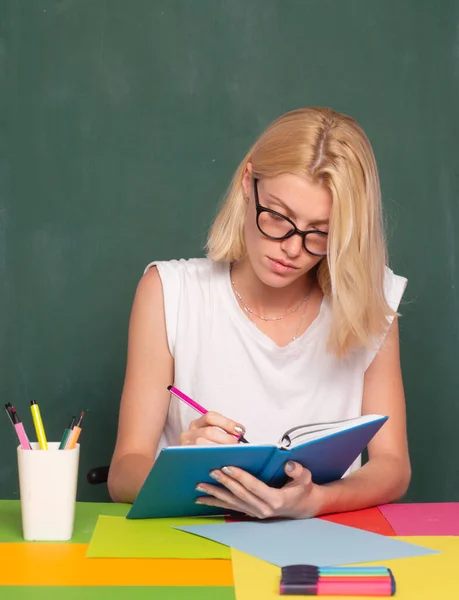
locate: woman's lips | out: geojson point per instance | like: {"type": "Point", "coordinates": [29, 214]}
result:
{"type": "Point", "coordinates": [280, 267]}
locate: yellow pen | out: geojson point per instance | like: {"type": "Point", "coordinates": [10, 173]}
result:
{"type": "Point", "coordinates": [41, 437]}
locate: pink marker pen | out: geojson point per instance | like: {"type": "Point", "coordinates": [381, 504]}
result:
{"type": "Point", "coordinates": [19, 427]}
{"type": "Point", "coordinates": [200, 409]}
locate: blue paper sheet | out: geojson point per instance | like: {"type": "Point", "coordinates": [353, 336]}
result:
{"type": "Point", "coordinates": [310, 541]}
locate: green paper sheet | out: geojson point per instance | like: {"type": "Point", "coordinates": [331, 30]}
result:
{"type": "Point", "coordinates": [10, 521]}
{"type": "Point", "coordinates": [117, 593]}
{"type": "Point", "coordinates": [116, 537]}
{"type": "Point", "coordinates": [86, 515]}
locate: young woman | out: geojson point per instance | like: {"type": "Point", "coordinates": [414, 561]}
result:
{"type": "Point", "coordinates": [290, 320]}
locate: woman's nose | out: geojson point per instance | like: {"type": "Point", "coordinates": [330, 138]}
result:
{"type": "Point", "coordinates": [293, 245]}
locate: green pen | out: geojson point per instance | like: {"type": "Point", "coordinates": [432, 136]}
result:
{"type": "Point", "coordinates": [67, 432]}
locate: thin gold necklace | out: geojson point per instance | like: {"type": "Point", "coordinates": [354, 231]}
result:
{"type": "Point", "coordinates": [252, 312]}
{"type": "Point", "coordinates": [295, 335]}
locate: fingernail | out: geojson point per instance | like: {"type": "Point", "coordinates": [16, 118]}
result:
{"type": "Point", "coordinates": [239, 430]}
{"type": "Point", "coordinates": [199, 488]}
{"type": "Point", "coordinates": [214, 475]}
{"type": "Point", "coordinates": [197, 502]}
{"type": "Point", "coordinates": [227, 471]}
{"type": "Point", "coordinates": [290, 466]}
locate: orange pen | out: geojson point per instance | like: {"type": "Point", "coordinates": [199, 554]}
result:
{"type": "Point", "coordinates": [75, 434]}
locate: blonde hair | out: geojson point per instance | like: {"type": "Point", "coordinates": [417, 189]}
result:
{"type": "Point", "coordinates": [331, 149]}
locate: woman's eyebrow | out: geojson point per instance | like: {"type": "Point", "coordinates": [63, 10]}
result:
{"type": "Point", "coordinates": [320, 222]}
{"type": "Point", "coordinates": [282, 203]}
{"type": "Point", "coordinates": [292, 215]}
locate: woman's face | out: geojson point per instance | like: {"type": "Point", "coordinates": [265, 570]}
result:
{"type": "Point", "coordinates": [278, 263]}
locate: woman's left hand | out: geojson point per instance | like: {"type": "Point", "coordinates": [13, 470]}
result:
{"type": "Point", "coordinates": [300, 498]}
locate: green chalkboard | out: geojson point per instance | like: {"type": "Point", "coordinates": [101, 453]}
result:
{"type": "Point", "coordinates": [121, 125]}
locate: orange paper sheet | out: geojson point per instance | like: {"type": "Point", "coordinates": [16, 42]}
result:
{"type": "Point", "coordinates": [65, 564]}
{"type": "Point", "coordinates": [417, 578]}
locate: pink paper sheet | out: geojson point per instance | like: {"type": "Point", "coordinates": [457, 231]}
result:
{"type": "Point", "coordinates": [438, 518]}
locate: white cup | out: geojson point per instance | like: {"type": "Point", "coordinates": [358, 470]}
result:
{"type": "Point", "coordinates": [47, 487]}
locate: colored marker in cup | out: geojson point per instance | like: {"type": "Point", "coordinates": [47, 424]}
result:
{"type": "Point", "coordinates": [18, 426]}
{"type": "Point", "coordinates": [74, 435]}
{"type": "Point", "coordinates": [38, 423]}
{"type": "Point", "coordinates": [66, 434]}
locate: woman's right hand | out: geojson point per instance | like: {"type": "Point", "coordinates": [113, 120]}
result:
{"type": "Point", "coordinates": [212, 428]}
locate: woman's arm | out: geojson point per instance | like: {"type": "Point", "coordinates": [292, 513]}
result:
{"type": "Point", "coordinates": [383, 479]}
{"type": "Point", "coordinates": [145, 398]}
{"type": "Point", "coordinates": [386, 475]}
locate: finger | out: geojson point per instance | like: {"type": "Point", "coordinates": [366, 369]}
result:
{"type": "Point", "coordinates": [210, 501]}
{"type": "Point", "coordinates": [217, 420]}
{"type": "Point", "coordinates": [215, 435]}
{"type": "Point", "coordinates": [302, 495]}
{"type": "Point", "coordinates": [196, 438]}
{"type": "Point", "coordinates": [187, 440]}
{"type": "Point", "coordinates": [203, 441]}
{"type": "Point", "coordinates": [221, 497]}
{"type": "Point", "coordinates": [258, 489]}
{"type": "Point", "coordinates": [205, 436]}
{"type": "Point", "coordinates": [298, 474]}
{"type": "Point", "coordinates": [256, 504]}
{"type": "Point", "coordinates": [198, 424]}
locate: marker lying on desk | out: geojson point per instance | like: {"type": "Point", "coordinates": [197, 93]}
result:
{"type": "Point", "coordinates": [36, 416]}
{"type": "Point", "coordinates": [66, 434]}
{"type": "Point", "coordinates": [18, 426]}
{"type": "Point", "coordinates": [200, 409]}
{"type": "Point", "coordinates": [311, 580]}
{"type": "Point", "coordinates": [339, 588]}
{"type": "Point", "coordinates": [297, 572]}
{"type": "Point", "coordinates": [75, 434]}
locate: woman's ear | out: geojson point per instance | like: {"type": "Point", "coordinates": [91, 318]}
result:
{"type": "Point", "coordinates": [247, 181]}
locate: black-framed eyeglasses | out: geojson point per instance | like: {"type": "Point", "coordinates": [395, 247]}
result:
{"type": "Point", "coordinates": [277, 226]}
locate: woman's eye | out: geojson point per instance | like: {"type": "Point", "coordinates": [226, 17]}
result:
{"type": "Point", "coordinates": [276, 217]}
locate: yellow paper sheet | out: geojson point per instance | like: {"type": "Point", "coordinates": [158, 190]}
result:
{"type": "Point", "coordinates": [117, 537]}
{"type": "Point", "coordinates": [432, 577]}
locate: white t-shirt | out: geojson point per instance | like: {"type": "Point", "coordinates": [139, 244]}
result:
{"type": "Point", "coordinates": [225, 363]}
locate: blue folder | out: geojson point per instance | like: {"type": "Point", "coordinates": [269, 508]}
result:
{"type": "Point", "coordinates": [169, 489]}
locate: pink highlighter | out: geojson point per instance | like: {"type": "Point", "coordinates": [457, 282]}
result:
{"type": "Point", "coordinates": [17, 424]}
{"type": "Point", "coordinates": [200, 409]}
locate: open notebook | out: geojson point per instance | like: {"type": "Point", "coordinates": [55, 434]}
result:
{"type": "Point", "coordinates": [306, 433]}
{"type": "Point", "coordinates": [326, 449]}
